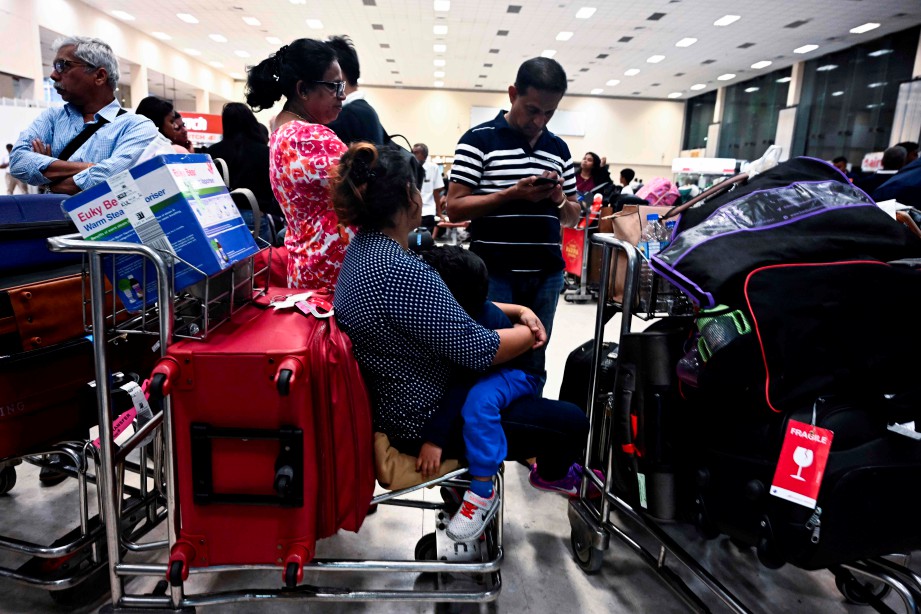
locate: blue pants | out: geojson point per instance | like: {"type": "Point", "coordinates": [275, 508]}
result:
{"type": "Point", "coordinates": [540, 293]}
{"type": "Point", "coordinates": [484, 439]}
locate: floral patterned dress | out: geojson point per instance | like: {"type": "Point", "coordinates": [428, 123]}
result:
{"type": "Point", "coordinates": [300, 158]}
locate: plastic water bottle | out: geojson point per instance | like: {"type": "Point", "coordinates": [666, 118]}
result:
{"type": "Point", "coordinates": [649, 245]}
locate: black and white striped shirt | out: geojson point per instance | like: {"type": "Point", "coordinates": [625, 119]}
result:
{"type": "Point", "coordinates": [517, 236]}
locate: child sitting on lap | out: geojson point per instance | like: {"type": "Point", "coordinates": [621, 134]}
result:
{"type": "Point", "coordinates": [465, 275]}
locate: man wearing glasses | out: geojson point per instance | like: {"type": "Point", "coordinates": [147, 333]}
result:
{"type": "Point", "coordinates": [74, 147]}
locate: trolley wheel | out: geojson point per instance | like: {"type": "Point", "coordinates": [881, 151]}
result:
{"type": "Point", "coordinates": [175, 573]}
{"type": "Point", "coordinates": [768, 554]}
{"type": "Point", "coordinates": [291, 575]}
{"type": "Point", "coordinates": [426, 548]}
{"type": "Point", "coordinates": [7, 479]}
{"type": "Point", "coordinates": [859, 593]}
{"type": "Point", "coordinates": [284, 382]}
{"type": "Point", "coordinates": [587, 556]}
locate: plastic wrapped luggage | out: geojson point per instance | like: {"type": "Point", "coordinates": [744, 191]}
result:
{"type": "Point", "coordinates": [272, 426]}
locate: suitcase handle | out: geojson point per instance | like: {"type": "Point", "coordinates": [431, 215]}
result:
{"type": "Point", "coordinates": [288, 372]}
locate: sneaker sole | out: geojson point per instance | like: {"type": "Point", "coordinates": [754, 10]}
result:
{"type": "Point", "coordinates": [489, 517]}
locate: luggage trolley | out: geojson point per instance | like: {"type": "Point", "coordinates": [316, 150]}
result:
{"type": "Point", "coordinates": [449, 573]}
{"type": "Point", "coordinates": [593, 523]}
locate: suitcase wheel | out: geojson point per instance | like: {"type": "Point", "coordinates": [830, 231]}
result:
{"type": "Point", "coordinates": [175, 573]}
{"type": "Point", "coordinates": [7, 479]}
{"type": "Point", "coordinates": [291, 570]}
{"type": "Point", "coordinates": [284, 381]}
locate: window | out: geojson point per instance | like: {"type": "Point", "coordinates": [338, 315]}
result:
{"type": "Point", "coordinates": [698, 115]}
{"type": "Point", "coordinates": [750, 115]}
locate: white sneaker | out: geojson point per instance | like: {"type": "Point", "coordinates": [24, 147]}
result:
{"type": "Point", "coordinates": [471, 519]}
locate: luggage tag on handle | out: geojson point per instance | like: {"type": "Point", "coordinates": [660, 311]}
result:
{"type": "Point", "coordinates": [316, 306]}
{"type": "Point", "coordinates": [141, 412]}
{"type": "Point", "coordinates": [801, 466]}
{"type": "Point", "coordinates": [289, 300]}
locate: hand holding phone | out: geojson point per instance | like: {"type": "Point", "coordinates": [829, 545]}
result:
{"type": "Point", "coordinates": [546, 181]}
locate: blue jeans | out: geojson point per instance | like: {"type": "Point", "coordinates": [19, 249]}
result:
{"type": "Point", "coordinates": [264, 232]}
{"type": "Point", "coordinates": [539, 292]}
{"type": "Point", "coordinates": [484, 438]}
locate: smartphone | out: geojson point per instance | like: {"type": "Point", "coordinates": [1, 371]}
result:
{"type": "Point", "coordinates": [546, 181]}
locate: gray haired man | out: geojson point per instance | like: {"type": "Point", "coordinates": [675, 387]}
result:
{"type": "Point", "coordinates": [71, 148]}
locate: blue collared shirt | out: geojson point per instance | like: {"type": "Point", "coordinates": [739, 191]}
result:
{"type": "Point", "coordinates": [112, 149]}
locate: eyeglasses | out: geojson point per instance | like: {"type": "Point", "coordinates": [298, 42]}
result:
{"type": "Point", "coordinates": [337, 87]}
{"type": "Point", "coordinates": [62, 66]}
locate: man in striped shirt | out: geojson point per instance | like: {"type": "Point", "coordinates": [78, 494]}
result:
{"type": "Point", "coordinates": [85, 74]}
{"type": "Point", "coordinates": [514, 179]}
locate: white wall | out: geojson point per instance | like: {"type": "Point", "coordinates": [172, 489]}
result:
{"type": "Point", "coordinates": [641, 134]}
{"type": "Point", "coordinates": [20, 21]}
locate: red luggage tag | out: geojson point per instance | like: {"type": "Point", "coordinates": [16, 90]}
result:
{"type": "Point", "coordinates": [316, 306]}
{"type": "Point", "coordinates": [802, 463]}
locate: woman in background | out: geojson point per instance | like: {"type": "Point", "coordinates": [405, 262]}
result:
{"type": "Point", "coordinates": [302, 150]}
{"type": "Point", "coordinates": [164, 116]}
{"type": "Point", "coordinates": [593, 173]}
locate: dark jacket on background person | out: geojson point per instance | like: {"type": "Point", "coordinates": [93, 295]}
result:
{"type": "Point", "coordinates": [248, 166]}
{"type": "Point", "coordinates": [358, 121]}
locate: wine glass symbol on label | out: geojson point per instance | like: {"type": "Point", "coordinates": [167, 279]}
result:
{"type": "Point", "coordinates": [802, 457]}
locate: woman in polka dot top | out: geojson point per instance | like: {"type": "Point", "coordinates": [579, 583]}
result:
{"type": "Point", "coordinates": [409, 334]}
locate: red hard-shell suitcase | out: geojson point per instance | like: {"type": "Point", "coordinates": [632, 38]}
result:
{"type": "Point", "coordinates": [273, 438]}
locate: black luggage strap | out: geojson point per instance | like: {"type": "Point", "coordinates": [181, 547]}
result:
{"type": "Point", "coordinates": [88, 131]}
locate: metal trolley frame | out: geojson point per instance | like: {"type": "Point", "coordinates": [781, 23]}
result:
{"type": "Point", "coordinates": [593, 521]}
{"type": "Point", "coordinates": [476, 566]}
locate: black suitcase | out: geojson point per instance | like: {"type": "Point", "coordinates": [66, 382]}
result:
{"type": "Point", "coordinates": [574, 388]}
{"type": "Point", "coordinates": [866, 500]}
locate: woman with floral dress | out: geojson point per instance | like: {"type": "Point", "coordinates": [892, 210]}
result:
{"type": "Point", "coordinates": [302, 150]}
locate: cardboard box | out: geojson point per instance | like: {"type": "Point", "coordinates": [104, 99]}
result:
{"type": "Point", "coordinates": [175, 203]}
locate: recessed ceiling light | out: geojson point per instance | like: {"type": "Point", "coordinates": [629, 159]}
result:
{"type": "Point", "coordinates": [762, 64]}
{"type": "Point", "coordinates": [217, 38]}
{"type": "Point", "coordinates": [314, 24]}
{"type": "Point", "coordinates": [879, 52]}
{"type": "Point", "coordinates": [216, 64]}
{"type": "Point", "coordinates": [675, 95]}
{"type": "Point", "coordinates": [440, 29]}
{"type": "Point", "coordinates": [439, 62]}
{"type": "Point", "coordinates": [298, 1]}
{"type": "Point", "coordinates": [597, 91]}
{"type": "Point", "coordinates": [273, 40]}
{"type": "Point", "coordinates": [187, 18]}
{"type": "Point", "coordinates": [655, 59]}
{"type": "Point", "coordinates": [728, 76]}
{"type": "Point", "coordinates": [439, 84]}
{"type": "Point", "coordinates": [585, 12]}
{"type": "Point", "coordinates": [877, 84]}
{"type": "Point", "coordinates": [237, 75]}
{"type": "Point", "coordinates": [698, 86]}
{"type": "Point", "coordinates": [749, 90]}
{"type": "Point", "coordinates": [123, 15]}
{"type": "Point", "coordinates": [785, 80]}
{"type": "Point", "coordinates": [548, 53]}
{"type": "Point", "coordinates": [613, 82]}
{"type": "Point", "coordinates": [686, 42]}
{"type": "Point", "coordinates": [632, 72]}
{"type": "Point", "coordinates": [163, 36]}
{"type": "Point", "coordinates": [439, 74]}
{"type": "Point", "coordinates": [864, 28]}
{"type": "Point", "coordinates": [805, 49]}
{"type": "Point", "coordinates": [439, 48]}
{"type": "Point", "coordinates": [442, 5]}
{"type": "Point", "coordinates": [827, 67]}
{"type": "Point", "coordinates": [241, 54]}
{"type": "Point", "coordinates": [725, 20]}
{"type": "Point", "coordinates": [564, 36]}
{"type": "Point", "coordinates": [838, 93]}
{"type": "Point", "coordinates": [251, 21]}
{"type": "Point", "coordinates": [192, 51]}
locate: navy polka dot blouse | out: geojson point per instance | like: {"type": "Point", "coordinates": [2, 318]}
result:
{"type": "Point", "coordinates": [407, 332]}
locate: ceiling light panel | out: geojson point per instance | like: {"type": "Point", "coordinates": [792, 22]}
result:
{"type": "Point", "coordinates": [314, 24]}
{"type": "Point", "coordinates": [439, 48]}
{"type": "Point", "coordinates": [597, 91]}
{"type": "Point", "coordinates": [564, 36]}
{"type": "Point", "coordinates": [548, 53]}
{"type": "Point", "coordinates": [273, 40]}
{"type": "Point", "coordinates": [251, 21]}
{"type": "Point", "coordinates": [726, 20]}
{"type": "Point", "coordinates": [805, 49]}
{"type": "Point", "coordinates": [218, 38]}
{"type": "Point", "coordinates": [686, 42]}
{"type": "Point", "coordinates": [727, 77]}
{"type": "Point", "coordinates": [675, 95]}
{"type": "Point", "coordinates": [698, 86]}
{"type": "Point", "coordinates": [762, 64]}
{"type": "Point", "coordinates": [864, 28]}
{"type": "Point", "coordinates": [632, 72]}
{"type": "Point", "coordinates": [613, 82]}
{"type": "Point", "coordinates": [655, 59]}
{"type": "Point", "coordinates": [585, 12]}
{"type": "Point", "coordinates": [163, 36]}
{"type": "Point", "coordinates": [186, 17]}
{"type": "Point", "coordinates": [442, 6]}
{"type": "Point", "coordinates": [123, 15]}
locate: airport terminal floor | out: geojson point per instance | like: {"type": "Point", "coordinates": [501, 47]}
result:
{"type": "Point", "coordinates": [539, 574]}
